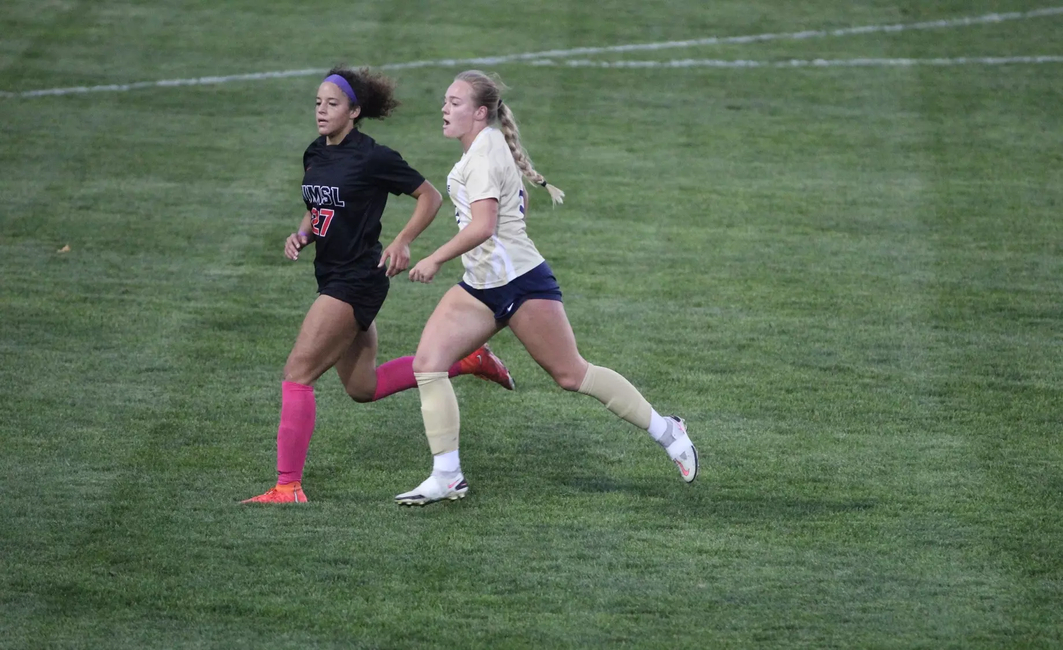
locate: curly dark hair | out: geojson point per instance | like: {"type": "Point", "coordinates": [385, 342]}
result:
{"type": "Point", "coordinates": [375, 92]}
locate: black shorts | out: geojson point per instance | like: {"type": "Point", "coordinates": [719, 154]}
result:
{"type": "Point", "coordinates": [365, 297]}
{"type": "Point", "coordinates": [538, 283]}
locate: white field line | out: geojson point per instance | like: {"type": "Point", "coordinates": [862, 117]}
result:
{"type": "Point", "coordinates": [801, 63]}
{"type": "Point", "coordinates": [547, 54]}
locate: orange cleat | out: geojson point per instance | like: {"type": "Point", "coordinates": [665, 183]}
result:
{"type": "Point", "coordinates": [287, 493]}
{"type": "Point", "coordinates": [484, 364]}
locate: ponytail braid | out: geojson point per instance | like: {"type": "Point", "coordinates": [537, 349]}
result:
{"type": "Point", "coordinates": [487, 91]}
{"type": "Point", "coordinates": [509, 129]}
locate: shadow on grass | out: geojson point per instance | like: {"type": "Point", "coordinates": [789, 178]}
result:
{"type": "Point", "coordinates": [701, 500]}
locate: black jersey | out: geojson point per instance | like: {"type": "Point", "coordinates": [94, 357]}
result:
{"type": "Point", "coordinates": [345, 187]}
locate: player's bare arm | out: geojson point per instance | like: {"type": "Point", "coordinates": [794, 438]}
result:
{"type": "Point", "coordinates": [297, 241]}
{"type": "Point", "coordinates": [398, 251]}
{"type": "Point", "coordinates": [482, 226]}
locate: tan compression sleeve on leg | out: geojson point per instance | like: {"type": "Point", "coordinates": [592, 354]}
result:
{"type": "Point", "coordinates": [618, 395]}
{"type": "Point", "coordinates": [439, 408]}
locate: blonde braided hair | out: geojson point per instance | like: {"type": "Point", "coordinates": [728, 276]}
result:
{"type": "Point", "coordinates": [487, 92]}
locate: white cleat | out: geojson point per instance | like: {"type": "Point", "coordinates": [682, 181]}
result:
{"type": "Point", "coordinates": [435, 488]}
{"type": "Point", "coordinates": [682, 451]}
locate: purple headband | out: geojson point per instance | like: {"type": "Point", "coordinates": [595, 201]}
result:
{"type": "Point", "coordinates": [344, 86]}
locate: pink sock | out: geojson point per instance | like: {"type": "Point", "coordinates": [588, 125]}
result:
{"type": "Point", "coordinates": [298, 411]}
{"type": "Point", "coordinates": [396, 376]}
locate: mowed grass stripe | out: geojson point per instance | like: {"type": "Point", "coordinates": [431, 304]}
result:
{"type": "Point", "coordinates": [843, 280]}
{"type": "Point", "coordinates": [995, 306]}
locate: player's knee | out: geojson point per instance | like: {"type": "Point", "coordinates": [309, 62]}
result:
{"type": "Point", "coordinates": [359, 394]}
{"type": "Point", "coordinates": [298, 371]}
{"type": "Point", "coordinates": [429, 362]}
{"type": "Point", "coordinates": [571, 374]}
{"type": "Point", "coordinates": [568, 378]}
{"type": "Point", "coordinates": [420, 364]}
{"type": "Point", "coordinates": [299, 378]}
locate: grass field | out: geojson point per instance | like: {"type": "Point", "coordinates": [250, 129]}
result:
{"type": "Point", "coordinates": [848, 279]}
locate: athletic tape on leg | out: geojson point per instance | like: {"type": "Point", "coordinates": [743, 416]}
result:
{"type": "Point", "coordinates": [618, 395]}
{"type": "Point", "coordinates": [439, 409]}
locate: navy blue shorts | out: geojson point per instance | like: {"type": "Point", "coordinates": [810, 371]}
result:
{"type": "Point", "coordinates": [537, 284]}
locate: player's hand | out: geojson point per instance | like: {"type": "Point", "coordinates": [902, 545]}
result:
{"type": "Point", "coordinates": [295, 243]}
{"type": "Point", "coordinates": [399, 254]}
{"type": "Point", "coordinates": [425, 270]}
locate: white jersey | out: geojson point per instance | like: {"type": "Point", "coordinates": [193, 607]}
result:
{"type": "Point", "coordinates": [488, 171]}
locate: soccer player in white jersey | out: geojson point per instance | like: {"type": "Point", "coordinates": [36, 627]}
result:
{"type": "Point", "coordinates": [506, 283]}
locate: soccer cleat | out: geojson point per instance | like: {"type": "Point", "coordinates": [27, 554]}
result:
{"type": "Point", "coordinates": [486, 365]}
{"type": "Point", "coordinates": [435, 488]}
{"type": "Point", "coordinates": [682, 451]}
{"type": "Point", "coordinates": [287, 493]}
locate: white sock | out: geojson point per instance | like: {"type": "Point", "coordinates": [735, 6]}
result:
{"type": "Point", "coordinates": [658, 425]}
{"type": "Point", "coordinates": [671, 430]}
{"type": "Point", "coordinates": [446, 463]}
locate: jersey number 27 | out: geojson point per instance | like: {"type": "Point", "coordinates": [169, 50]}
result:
{"type": "Point", "coordinates": [322, 216]}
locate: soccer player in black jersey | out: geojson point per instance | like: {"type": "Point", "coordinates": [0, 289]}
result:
{"type": "Point", "coordinates": [347, 177]}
